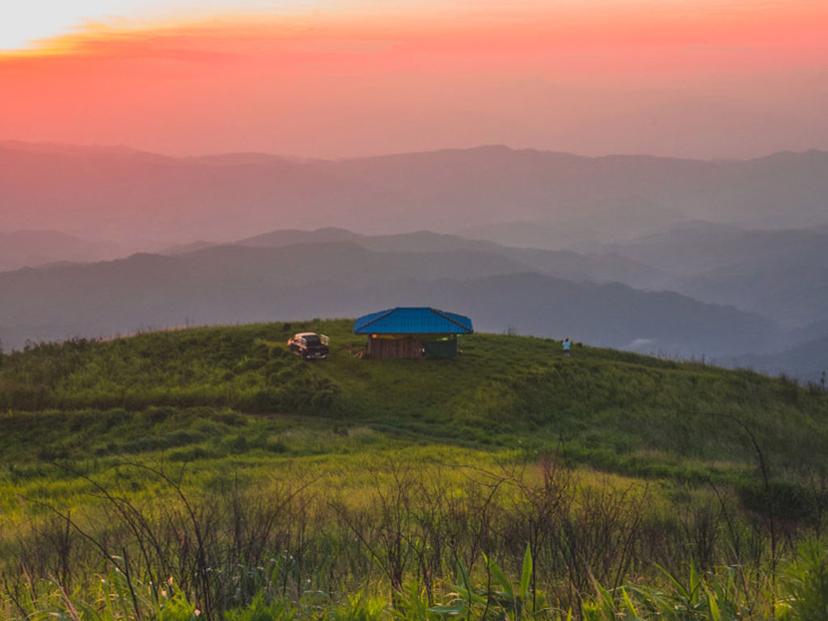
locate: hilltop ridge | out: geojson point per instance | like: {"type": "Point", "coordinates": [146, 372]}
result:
{"type": "Point", "coordinates": [602, 407]}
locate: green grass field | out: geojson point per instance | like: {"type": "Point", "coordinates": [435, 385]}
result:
{"type": "Point", "coordinates": [695, 466]}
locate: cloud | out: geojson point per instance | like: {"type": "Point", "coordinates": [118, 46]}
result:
{"type": "Point", "coordinates": [641, 344]}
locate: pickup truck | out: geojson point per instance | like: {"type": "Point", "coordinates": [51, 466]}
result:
{"type": "Point", "coordinates": [309, 345]}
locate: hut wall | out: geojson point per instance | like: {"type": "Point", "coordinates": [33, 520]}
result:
{"type": "Point", "coordinates": [441, 348]}
{"type": "Point", "coordinates": [383, 348]}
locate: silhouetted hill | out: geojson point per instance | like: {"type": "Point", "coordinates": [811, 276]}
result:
{"type": "Point", "coordinates": [33, 248]}
{"type": "Point", "coordinates": [807, 361]}
{"type": "Point", "coordinates": [129, 194]}
{"type": "Point", "coordinates": [811, 332]}
{"type": "Point", "coordinates": [560, 263]}
{"type": "Point", "coordinates": [781, 274]}
{"type": "Point", "coordinates": [232, 284]}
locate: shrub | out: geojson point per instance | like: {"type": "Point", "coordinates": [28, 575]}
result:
{"type": "Point", "coordinates": [805, 580]}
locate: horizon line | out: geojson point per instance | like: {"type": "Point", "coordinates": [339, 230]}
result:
{"type": "Point", "coordinates": [125, 148]}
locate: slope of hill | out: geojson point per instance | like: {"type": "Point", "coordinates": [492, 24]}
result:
{"type": "Point", "coordinates": [232, 284]}
{"type": "Point", "coordinates": [810, 332]}
{"type": "Point", "coordinates": [781, 274]}
{"type": "Point", "coordinates": [34, 248]}
{"type": "Point", "coordinates": [559, 263]}
{"type": "Point", "coordinates": [242, 474]}
{"type": "Point", "coordinates": [807, 361]}
{"type": "Point", "coordinates": [614, 409]}
{"type": "Point", "coordinates": [217, 198]}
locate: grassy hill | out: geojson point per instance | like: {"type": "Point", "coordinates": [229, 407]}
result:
{"type": "Point", "coordinates": [611, 409]}
{"type": "Point", "coordinates": [690, 465]}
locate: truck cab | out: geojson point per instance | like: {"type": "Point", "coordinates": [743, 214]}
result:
{"type": "Point", "coordinates": [309, 345]}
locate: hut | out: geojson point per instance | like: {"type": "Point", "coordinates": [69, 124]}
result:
{"type": "Point", "coordinates": [406, 332]}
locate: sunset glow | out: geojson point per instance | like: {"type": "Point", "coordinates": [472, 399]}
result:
{"type": "Point", "coordinates": [354, 78]}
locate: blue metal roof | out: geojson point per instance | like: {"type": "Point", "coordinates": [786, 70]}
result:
{"type": "Point", "coordinates": [402, 320]}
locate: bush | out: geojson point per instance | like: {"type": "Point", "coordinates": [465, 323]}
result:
{"type": "Point", "coordinates": [780, 500]}
{"type": "Point", "coordinates": [805, 581]}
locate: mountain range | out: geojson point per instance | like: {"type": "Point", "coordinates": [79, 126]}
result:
{"type": "Point", "coordinates": [807, 361]}
{"type": "Point", "coordinates": [782, 274]}
{"type": "Point", "coordinates": [135, 197]}
{"type": "Point", "coordinates": [34, 248]}
{"type": "Point", "coordinates": [342, 274]}
{"type": "Point", "coordinates": [678, 257]}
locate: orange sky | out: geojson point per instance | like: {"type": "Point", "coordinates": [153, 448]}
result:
{"type": "Point", "coordinates": [707, 78]}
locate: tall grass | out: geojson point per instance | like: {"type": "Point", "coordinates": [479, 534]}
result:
{"type": "Point", "coordinates": [507, 543]}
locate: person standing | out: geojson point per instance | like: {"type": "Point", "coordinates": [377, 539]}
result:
{"type": "Point", "coordinates": [567, 346]}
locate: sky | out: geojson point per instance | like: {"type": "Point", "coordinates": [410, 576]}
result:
{"type": "Point", "coordinates": [343, 78]}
